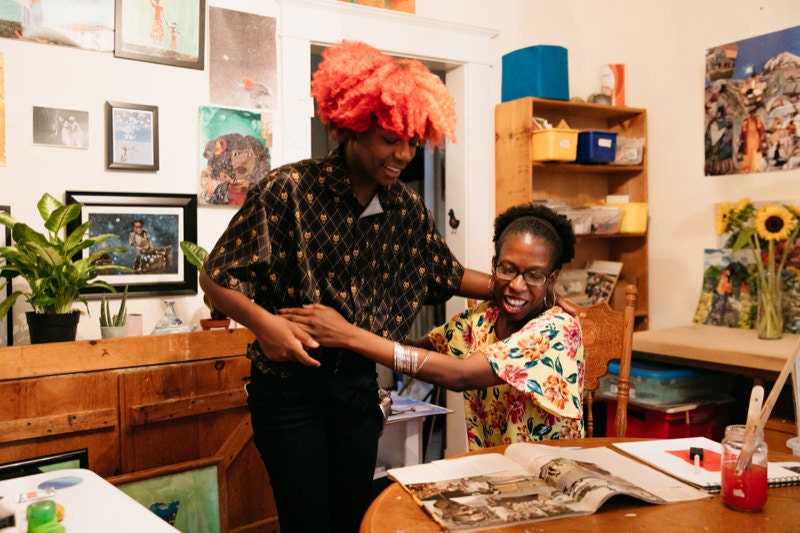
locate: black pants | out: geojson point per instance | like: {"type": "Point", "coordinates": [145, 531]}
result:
{"type": "Point", "coordinates": [320, 454]}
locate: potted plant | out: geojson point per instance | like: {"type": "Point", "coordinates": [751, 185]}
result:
{"type": "Point", "coordinates": [196, 255]}
{"type": "Point", "coordinates": [112, 326]}
{"type": "Point", "coordinates": [54, 269]}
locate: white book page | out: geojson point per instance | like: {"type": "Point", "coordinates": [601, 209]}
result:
{"type": "Point", "coordinates": [616, 464]}
{"type": "Point", "coordinates": [462, 467]}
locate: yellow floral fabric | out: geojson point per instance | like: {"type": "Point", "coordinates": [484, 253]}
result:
{"type": "Point", "coordinates": [542, 365]}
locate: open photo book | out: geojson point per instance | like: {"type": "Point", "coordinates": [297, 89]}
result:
{"type": "Point", "coordinates": [532, 482]}
{"type": "Point", "coordinates": [672, 457]}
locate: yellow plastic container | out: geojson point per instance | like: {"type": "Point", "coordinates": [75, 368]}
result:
{"type": "Point", "coordinates": [634, 218]}
{"type": "Point", "coordinates": [554, 144]}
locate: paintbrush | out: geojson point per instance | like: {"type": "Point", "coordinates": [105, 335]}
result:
{"type": "Point", "coordinates": [750, 429]}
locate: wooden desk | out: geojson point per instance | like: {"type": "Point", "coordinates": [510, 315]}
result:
{"type": "Point", "coordinates": [394, 511]}
{"type": "Point", "coordinates": [738, 351]}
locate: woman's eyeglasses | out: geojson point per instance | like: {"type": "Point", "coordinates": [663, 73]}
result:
{"type": "Point", "coordinates": [507, 273]}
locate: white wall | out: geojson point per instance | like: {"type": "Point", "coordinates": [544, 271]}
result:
{"type": "Point", "coordinates": [662, 44]}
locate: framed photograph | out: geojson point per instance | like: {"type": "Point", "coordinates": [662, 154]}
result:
{"type": "Point", "coordinates": [171, 33]}
{"type": "Point", "coordinates": [131, 136]}
{"type": "Point", "coordinates": [150, 227]}
{"type": "Point", "coordinates": [60, 127]}
{"type": "Point", "coordinates": [6, 322]}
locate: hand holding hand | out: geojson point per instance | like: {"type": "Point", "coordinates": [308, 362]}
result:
{"type": "Point", "coordinates": [321, 322]}
{"type": "Point", "coordinates": [282, 340]}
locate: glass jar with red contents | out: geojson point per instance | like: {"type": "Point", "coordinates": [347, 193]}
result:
{"type": "Point", "coordinates": [744, 490]}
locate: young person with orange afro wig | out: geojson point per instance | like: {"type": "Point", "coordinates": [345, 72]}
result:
{"type": "Point", "coordinates": [345, 232]}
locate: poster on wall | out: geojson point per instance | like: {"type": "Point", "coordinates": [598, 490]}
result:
{"type": "Point", "coordinates": [242, 59]}
{"type": "Point", "coordinates": [235, 150]}
{"type": "Point", "coordinates": [87, 24]}
{"type": "Point", "coordinates": [752, 105]}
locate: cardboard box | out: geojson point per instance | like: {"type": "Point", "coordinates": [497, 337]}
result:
{"type": "Point", "coordinates": [535, 71]}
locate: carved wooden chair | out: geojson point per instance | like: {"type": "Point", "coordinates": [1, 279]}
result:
{"type": "Point", "coordinates": [607, 335]}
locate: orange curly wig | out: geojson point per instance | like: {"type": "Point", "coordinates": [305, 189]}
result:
{"type": "Point", "coordinates": [356, 84]}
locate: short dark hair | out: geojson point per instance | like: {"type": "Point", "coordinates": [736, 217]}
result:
{"type": "Point", "coordinates": [541, 221]}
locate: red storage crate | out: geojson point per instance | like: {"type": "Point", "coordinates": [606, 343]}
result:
{"type": "Point", "coordinates": [696, 421]}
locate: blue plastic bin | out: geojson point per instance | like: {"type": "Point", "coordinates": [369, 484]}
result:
{"type": "Point", "coordinates": [596, 146]}
{"type": "Point", "coordinates": [661, 383]}
{"type": "Point", "coordinates": [539, 70]}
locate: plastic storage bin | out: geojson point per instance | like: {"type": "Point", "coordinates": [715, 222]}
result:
{"type": "Point", "coordinates": [634, 218]}
{"type": "Point", "coordinates": [654, 423]}
{"type": "Point", "coordinates": [661, 384]}
{"type": "Point", "coordinates": [581, 218]}
{"type": "Point", "coordinates": [554, 144]}
{"type": "Point", "coordinates": [596, 146]}
{"type": "Point", "coordinates": [535, 71]}
{"type": "Point", "coordinates": [606, 220]}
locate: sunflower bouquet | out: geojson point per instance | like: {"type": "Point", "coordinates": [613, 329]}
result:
{"type": "Point", "coordinates": [769, 232]}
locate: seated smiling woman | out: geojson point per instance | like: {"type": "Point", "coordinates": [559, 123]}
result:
{"type": "Point", "coordinates": [518, 358]}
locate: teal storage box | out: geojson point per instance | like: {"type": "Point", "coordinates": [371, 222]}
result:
{"type": "Point", "coordinates": [596, 146]}
{"type": "Point", "coordinates": [539, 70]}
{"type": "Point", "coordinates": [662, 384]}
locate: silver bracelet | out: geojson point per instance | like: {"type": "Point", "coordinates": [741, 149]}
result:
{"type": "Point", "coordinates": [424, 360]}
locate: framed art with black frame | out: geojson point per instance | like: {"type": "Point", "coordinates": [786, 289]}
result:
{"type": "Point", "coordinates": [7, 322]}
{"type": "Point", "coordinates": [131, 136]}
{"type": "Point", "coordinates": [159, 32]}
{"type": "Point", "coordinates": [150, 226]}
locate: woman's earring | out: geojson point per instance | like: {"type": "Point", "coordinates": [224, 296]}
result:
{"type": "Point", "coordinates": [547, 292]}
{"type": "Point", "coordinates": [491, 282]}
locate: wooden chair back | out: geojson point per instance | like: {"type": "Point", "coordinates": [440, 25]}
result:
{"type": "Point", "coordinates": [607, 335]}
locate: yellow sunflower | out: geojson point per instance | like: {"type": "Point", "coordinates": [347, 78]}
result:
{"type": "Point", "coordinates": [741, 204]}
{"type": "Point", "coordinates": [774, 223]}
{"type": "Point", "coordinates": [723, 217]}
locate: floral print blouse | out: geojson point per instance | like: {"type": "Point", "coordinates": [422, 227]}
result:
{"type": "Point", "coordinates": [542, 365]}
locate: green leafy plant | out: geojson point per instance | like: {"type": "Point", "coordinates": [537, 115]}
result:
{"type": "Point", "coordinates": [53, 267]}
{"type": "Point", "coordinates": [196, 255]}
{"type": "Point", "coordinates": [107, 320]}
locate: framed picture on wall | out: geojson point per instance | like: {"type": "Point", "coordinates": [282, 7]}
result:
{"type": "Point", "coordinates": [171, 33]}
{"type": "Point", "coordinates": [150, 227]}
{"type": "Point", "coordinates": [131, 136]}
{"type": "Point", "coordinates": [6, 322]}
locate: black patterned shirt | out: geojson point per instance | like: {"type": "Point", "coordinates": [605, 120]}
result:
{"type": "Point", "coordinates": [300, 237]}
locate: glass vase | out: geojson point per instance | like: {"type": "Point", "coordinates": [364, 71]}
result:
{"type": "Point", "coordinates": [170, 323]}
{"type": "Point", "coordinates": [769, 318]}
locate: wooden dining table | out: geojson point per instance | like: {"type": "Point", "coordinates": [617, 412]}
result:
{"type": "Point", "coordinates": [394, 511]}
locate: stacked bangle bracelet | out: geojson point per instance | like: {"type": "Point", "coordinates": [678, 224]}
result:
{"type": "Point", "coordinates": [406, 359]}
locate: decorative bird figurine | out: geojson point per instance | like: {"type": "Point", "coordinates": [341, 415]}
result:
{"type": "Point", "coordinates": [454, 222]}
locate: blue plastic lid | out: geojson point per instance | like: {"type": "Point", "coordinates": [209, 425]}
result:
{"type": "Point", "coordinates": [647, 369]}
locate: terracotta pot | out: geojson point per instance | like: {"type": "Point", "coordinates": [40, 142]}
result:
{"type": "Point", "coordinates": [211, 323]}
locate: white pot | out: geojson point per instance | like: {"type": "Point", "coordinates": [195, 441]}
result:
{"type": "Point", "coordinates": [112, 332]}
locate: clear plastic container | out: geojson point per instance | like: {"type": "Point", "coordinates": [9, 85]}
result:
{"type": "Point", "coordinates": [743, 489]}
